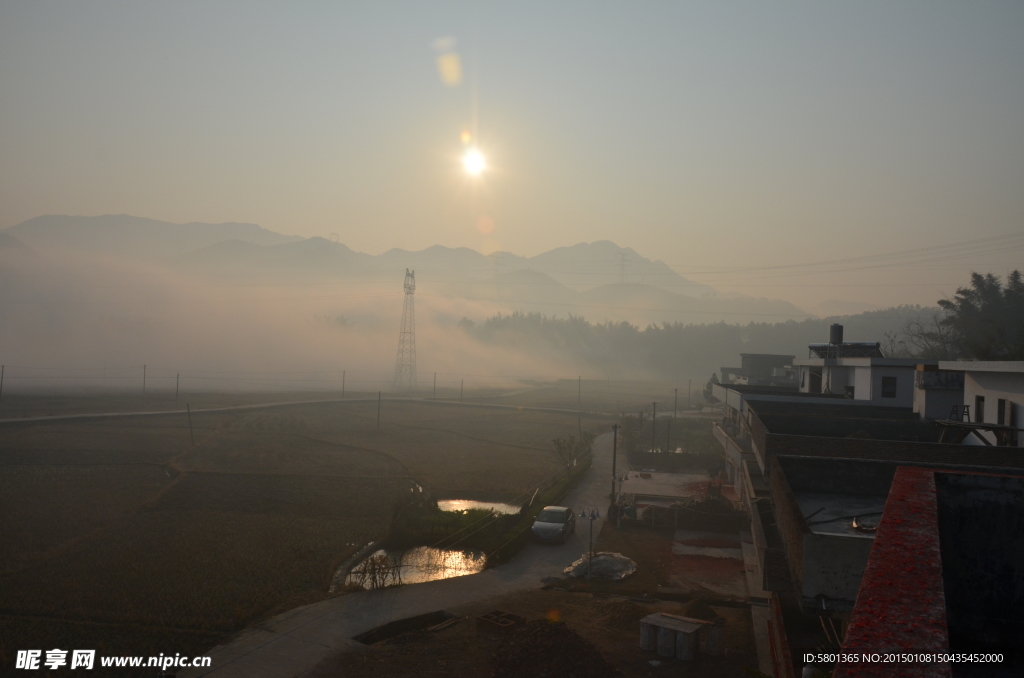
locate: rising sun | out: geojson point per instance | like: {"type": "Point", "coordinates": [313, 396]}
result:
{"type": "Point", "coordinates": [473, 162]}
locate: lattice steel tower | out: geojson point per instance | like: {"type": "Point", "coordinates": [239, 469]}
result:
{"type": "Point", "coordinates": [405, 365]}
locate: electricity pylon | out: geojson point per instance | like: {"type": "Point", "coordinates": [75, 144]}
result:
{"type": "Point", "coordinates": [405, 364]}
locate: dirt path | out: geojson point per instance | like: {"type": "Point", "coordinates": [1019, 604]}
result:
{"type": "Point", "coordinates": [296, 641]}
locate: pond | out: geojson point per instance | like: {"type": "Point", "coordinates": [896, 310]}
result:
{"type": "Point", "coordinates": [466, 504]}
{"type": "Point", "coordinates": [414, 566]}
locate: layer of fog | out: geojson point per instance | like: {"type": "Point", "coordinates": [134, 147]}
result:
{"type": "Point", "coordinates": [77, 320]}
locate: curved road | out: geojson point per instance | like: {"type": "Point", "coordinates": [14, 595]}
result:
{"type": "Point", "coordinates": [295, 641]}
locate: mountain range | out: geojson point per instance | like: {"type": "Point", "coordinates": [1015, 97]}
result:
{"type": "Point", "coordinates": [599, 280]}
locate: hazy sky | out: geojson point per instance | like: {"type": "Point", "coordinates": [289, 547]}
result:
{"type": "Point", "coordinates": [717, 137]}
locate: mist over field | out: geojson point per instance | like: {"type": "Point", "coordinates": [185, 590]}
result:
{"type": "Point", "coordinates": [234, 305]}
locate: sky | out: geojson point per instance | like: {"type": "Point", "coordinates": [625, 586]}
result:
{"type": "Point", "coordinates": [754, 147]}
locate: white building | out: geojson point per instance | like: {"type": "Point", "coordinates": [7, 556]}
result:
{"type": "Point", "coordinates": [993, 395]}
{"type": "Point", "coordinates": [873, 380]}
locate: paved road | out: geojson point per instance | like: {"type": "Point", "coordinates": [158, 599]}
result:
{"type": "Point", "coordinates": [296, 641]}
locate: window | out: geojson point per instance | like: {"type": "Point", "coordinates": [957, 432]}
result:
{"type": "Point", "coordinates": [888, 387]}
{"type": "Point", "coordinates": [979, 409]}
{"type": "Point", "coordinates": [1001, 412]}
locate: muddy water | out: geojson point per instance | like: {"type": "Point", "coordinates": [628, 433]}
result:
{"type": "Point", "coordinates": [466, 504]}
{"type": "Point", "coordinates": [414, 566]}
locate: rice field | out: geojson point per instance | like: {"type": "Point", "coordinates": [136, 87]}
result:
{"type": "Point", "coordinates": [120, 534]}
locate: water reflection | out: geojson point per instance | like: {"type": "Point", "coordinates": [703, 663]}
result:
{"type": "Point", "coordinates": [413, 566]}
{"type": "Point", "coordinates": [466, 504]}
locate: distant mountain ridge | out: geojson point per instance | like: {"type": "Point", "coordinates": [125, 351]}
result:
{"type": "Point", "coordinates": [126, 235]}
{"type": "Point", "coordinates": [600, 280]}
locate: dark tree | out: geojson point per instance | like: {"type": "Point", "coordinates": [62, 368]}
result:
{"type": "Point", "coordinates": [986, 320]}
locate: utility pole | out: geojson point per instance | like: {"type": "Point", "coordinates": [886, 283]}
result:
{"type": "Point", "coordinates": [177, 382]}
{"type": "Point", "coordinates": [191, 435]}
{"type": "Point", "coordinates": [579, 389]}
{"type": "Point", "coordinates": [462, 386]}
{"type": "Point", "coordinates": [143, 379]}
{"type": "Point", "coordinates": [668, 436]}
{"type": "Point", "coordinates": [654, 423]}
{"type": "Point", "coordinates": [689, 389]}
{"type": "Point", "coordinates": [343, 383]}
{"type": "Point", "coordinates": [378, 410]}
{"type": "Point", "coordinates": [675, 404]}
{"type": "Point", "coordinates": [435, 385]}
{"type": "Point", "coordinates": [615, 454]}
{"type": "Point", "coordinates": [2, 380]}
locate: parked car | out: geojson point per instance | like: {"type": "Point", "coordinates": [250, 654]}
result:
{"type": "Point", "coordinates": [554, 524]}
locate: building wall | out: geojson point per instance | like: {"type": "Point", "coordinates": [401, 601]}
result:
{"type": "Point", "coordinates": [832, 567]}
{"type": "Point", "coordinates": [862, 383]}
{"type": "Point", "coordinates": [994, 386]}
{"type": "Point", "coordinates": [936, 403]}
{"type": "Point", "coordinates": [904, 386]}
{"type": "Point", "coordinates": [838, 378]}
{"type": "Point", "coordinates": [790, 521]}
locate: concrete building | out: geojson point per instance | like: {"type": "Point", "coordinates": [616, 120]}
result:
{"type": "Point", "coordinates": [888, 382]}
{"type": "Point", "coordinates": [945, 574]}
{"type": "Point", "coordinates": [993, 399]}
{"type": "Point", "coordinates": [826, 511]}
{"type": "Point", "coordinates": [808, 465]}
{"type": "Point", "coordinates": [859, 371]}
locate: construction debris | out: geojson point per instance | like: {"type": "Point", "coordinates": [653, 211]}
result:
{"type": "Point", "coordinates": [604, 565]}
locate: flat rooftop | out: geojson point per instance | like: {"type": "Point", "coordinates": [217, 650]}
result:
{"type": "Point", "coordinates": [983, 365]}
{"type": "Point", "coordinates": [834, 513]}
{"type": "Point", "coordinates": [843, 421]}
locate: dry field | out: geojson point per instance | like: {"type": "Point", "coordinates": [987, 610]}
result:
{"type": "Point", "coordinates": [118, 534]}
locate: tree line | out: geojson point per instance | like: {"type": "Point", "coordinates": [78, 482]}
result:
{"type": "Point", "coordinates": [984, 321]}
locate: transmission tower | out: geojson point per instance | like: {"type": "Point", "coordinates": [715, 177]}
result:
{"type": "Point", "coordinates": [405, 365]}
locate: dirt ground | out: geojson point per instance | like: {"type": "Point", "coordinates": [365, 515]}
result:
{"type": "Point", "coordinates": [610, 623]}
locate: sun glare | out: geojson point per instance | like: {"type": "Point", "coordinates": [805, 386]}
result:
{"type": "Point", "coordinates": [473, 162]}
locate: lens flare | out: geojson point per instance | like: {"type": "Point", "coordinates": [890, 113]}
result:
{"type": "Point", "coordinates": [473, 162]}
